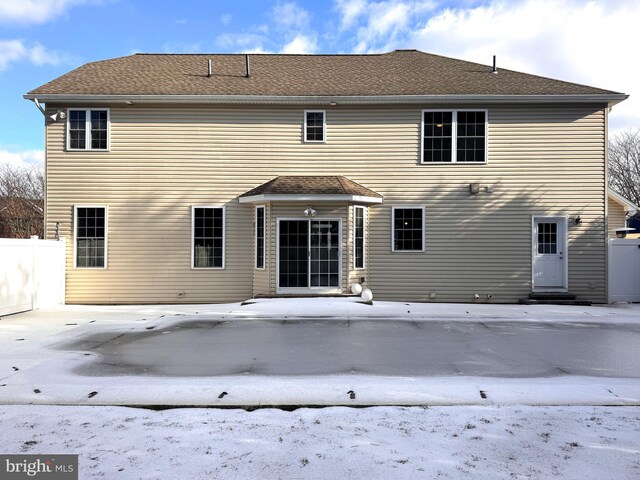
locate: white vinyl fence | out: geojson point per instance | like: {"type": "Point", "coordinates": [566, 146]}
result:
{"type": "Point", "coordinates": [32, 274]}
{"type": "Point", "coordinates": [624, 270]}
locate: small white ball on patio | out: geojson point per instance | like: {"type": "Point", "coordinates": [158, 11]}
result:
{"type": "Point", "coordinates": [356, 289]}
{"type": "Point", "coordinates": [367, 295]}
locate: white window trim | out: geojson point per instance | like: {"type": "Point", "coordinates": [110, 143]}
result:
{"type": "Point", "coordinates": [393, 217]}
{"type": "Point", "coordinates": [75, 235]}
{"type": "Point", "coordinates": [324, 126]}
{"type": "Point", "coordinates": [264, 246]}
{"type": "Point", "coordinates": [224, 235]}
{"type": "Point", "coordinates": [365, 211]}
{"type": "Point", "coordinates": [454, 135]}
{"type": "Point", "coordinates": [88, 131]}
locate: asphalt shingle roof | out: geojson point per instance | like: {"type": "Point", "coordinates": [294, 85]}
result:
{"type": "Point", "coordinates": [401, 72]}
{"type": "Point", "coordinates": [311, 185]}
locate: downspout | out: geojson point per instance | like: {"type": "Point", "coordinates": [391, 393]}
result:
{"type": "Point", "coordinates": [35, 100]}
{"type": "Point", "coordinates": [46, 182]}
{"type": "Point", "coordinates": [607, 241]}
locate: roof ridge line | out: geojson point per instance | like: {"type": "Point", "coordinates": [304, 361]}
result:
{"type": "Point", "coordinates": [341, 179]}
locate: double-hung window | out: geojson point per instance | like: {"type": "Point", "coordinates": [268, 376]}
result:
{"type": "Point", "coordinates": [407, 224]}
{"type": "Point", "coordinates": [90, 236]}
{"type": "Point", "coordinates": [208, 237]}
{"type": "Point", "coordinates": [88, 129]}
{"type": "Point", "coordinates": [358, 237]}
{"type": "Point", "coordinates": [454, 136]}
{"type": "Point", "coordinates": [314, 126]}
{"type": "Point", "coordinates": [260, 237]}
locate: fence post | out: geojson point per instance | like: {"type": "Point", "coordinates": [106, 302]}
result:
{"type": "Point", "coordinates": [34, 270]}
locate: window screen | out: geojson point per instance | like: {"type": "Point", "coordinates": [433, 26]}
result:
{"type": "Point", "coordinates": [408, 233]}
{"type": "Point", "coordinates": [358, 237]}
{"type": "Point", "coordinates": [260, 237]}
{"type": "Point", "coordinates": [77, 129]}
{"type": "Point", "coordinates": [314, 127]}
{"type": "Point", "coordinates": [470, 144]}
{"type": "Point", "coordinates": [437, 142]}
{"type": "Point", "coordinates": [88, 129]}
{"type": "Point", "coordinates": [208, 237]}
{"type": "Point", "coordinates": [99, 129]}
{"type": "Point", "coordinates": [90, 237]}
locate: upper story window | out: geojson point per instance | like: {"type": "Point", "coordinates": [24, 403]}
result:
{"type": "Point", "coordinates": [208, 237]}
{"type": "Point", "coordinates": [314, 126]}
{"type": "Point", "coordinates": [91, 236]}
{"type": "Point", "coordinates": [454, 136]}
{"type": "Point", "coordinates": [88, 129]}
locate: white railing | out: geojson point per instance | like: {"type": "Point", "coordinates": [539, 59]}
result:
{"type": "Point", "coordinates": [32, 274]}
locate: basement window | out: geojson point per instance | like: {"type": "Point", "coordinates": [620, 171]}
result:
{"type": "Point", "coordinates": [208, 237]}
{"type": "Point", "coordinates": [314, 126]}
{"type": "Point", "coordinates": [407, 224]}
{"type": "Point", "coordinates": [454, 136]}
{"type": "Point", "coordinates": [88, 129]}
{"type": "Point", "coordinates": [90, 236]}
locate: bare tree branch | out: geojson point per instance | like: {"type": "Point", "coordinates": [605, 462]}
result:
{"type": "Point", "coordinates": [21, 201]}
{"type": "Point", "coordinates": [624, 164]}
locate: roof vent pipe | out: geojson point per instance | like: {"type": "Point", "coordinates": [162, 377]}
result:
{"type": "Point", "coordinates": [246, 60]}
{"type": "Point", "coordinates": [209, 68]}
{"type": "Point", "coordinates": [495, 68]}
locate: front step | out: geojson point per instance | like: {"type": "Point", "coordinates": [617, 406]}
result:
{"type": "Point", "coordinates": [552, 298]}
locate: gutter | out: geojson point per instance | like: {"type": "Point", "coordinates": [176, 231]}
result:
{"type": "Point", "coordinates": [609, 99]}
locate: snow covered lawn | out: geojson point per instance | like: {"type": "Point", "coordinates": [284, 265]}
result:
{"type": "Point", "coordinates": [581, 443]}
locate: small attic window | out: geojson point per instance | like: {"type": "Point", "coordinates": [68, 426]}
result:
{"type": "Point", "coordinates": [314, 126]}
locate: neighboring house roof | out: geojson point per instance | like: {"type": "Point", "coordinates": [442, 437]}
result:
{"type": "Point", "coordinates": [317, 188]}
{"type": "Point", "coordinates": [406, 73]}
{"type": "Point", "coordinates": [627, 204]}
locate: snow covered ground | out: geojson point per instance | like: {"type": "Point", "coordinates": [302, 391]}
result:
{"type": "Point", "coordinates": [506, 435]}
{"type": "Point", "coordinates": [59, 356]}
{"type": "Point", "coordinates": [492, 443]}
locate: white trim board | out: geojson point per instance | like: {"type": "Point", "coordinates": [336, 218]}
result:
{"type": "Point", "coordinates": [310, 198]}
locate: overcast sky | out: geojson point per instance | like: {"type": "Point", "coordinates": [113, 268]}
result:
{"type": "Point", "coordinates": [590, 42]}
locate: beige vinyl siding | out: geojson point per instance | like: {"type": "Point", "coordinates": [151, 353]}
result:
{"type": "Point", "coordinates": [543, 160]}
{"type": "Point", "coordinates": [617, 217]}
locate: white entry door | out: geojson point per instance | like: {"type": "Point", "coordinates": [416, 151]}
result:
{"type": "Point", "coordinates": [549, 253]}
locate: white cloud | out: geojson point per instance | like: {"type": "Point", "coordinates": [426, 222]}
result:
{"type": "Point", "coordinates": [34, 11]}
{"type": "Point", "coordinates": [350, 10]}
{"type": "Point", "coordinates": [301, 44]}
{"type": "Point", "coordinates": [247, 42]}
{"type": "Point", "coordinates": [181, 47]}
{"type": "Point", "coordinates": [290, 16]}
{"type": "Point", "coordinates": [17, 50]}
{"type": "Point", "coordinates": [226, 19]}
{"type": "Point", "coordinates": [584, 42]}
{"type": "Point", "coordinates": [380, 24]}
{"type": "Point", "coordinates": [591, 42]}
{"type": "Point", "coordinates": [24, 158]}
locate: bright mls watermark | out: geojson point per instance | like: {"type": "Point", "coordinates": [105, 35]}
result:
{"type": "Point", "coordinates": [50, 467]}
